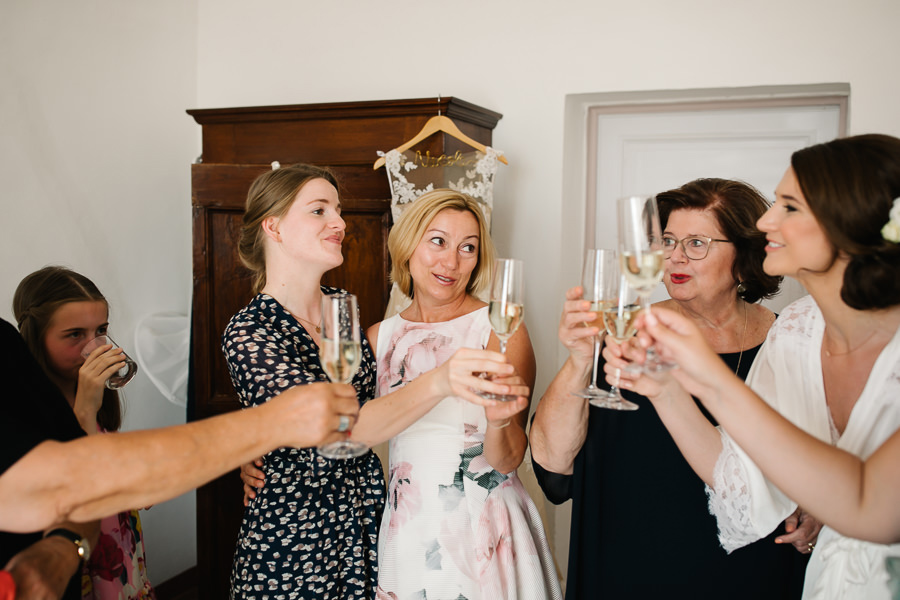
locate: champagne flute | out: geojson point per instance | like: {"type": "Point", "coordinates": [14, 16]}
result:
{"type": "Point", "coordinates": [340, 355]}
{"type": "Point", "coordinates": [618, 320]}
{"type": "Point", "coordinates": [506, 309]}
{"type": "Point", "coordinates": [598, 280]}
{"type": "Point", "coordinates": [641, 257]}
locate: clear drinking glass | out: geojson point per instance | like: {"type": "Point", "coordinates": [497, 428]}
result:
{"type": "Point", "coordinates": [123, 375]}
{"type": "Point", "coordinates": [599, 275]}
{"type": "Point", "coordinates": [618, 320]}
{"type": "Point", "coordinates": [340, 355]}
{"type": "Point", "coordinates": [641, 257]}
{"type": "Point", "coordinates": [506, 309]}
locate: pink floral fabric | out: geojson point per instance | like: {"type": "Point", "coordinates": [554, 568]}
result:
{"type": "Point", "coordinates": [453, 527]}
{"type": "Point", "coordinates": [117, 569]}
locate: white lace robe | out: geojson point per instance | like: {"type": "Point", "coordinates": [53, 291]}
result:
{"type": "Point", "coordinates": [787, 374]}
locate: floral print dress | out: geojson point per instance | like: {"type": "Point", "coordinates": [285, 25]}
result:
{"type": "Point", "coordinates": [117, 569]}
{"type": "Point", "coordinates": [311, 531]}
{"type": "Point", "coordinates": [454, 528]}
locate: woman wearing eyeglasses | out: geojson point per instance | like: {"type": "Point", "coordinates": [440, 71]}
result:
{"type": "Point", "coordinates": [641, 526]}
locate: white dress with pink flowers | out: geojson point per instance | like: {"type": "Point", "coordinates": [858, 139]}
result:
{"type": "Point", "coordinates": [453, 528]}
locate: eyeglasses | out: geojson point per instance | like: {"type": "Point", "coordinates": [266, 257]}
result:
{"type": "Point", "coordinates": [695, 247]}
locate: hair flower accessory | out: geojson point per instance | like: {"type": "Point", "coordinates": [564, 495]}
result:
{"type": "Point", "coordinates": [276, 165]}
{"type": "Point", "coordinates": [891, 229]}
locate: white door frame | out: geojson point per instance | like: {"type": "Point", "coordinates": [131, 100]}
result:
{"type": "Point", "coordinates": [583, 111]}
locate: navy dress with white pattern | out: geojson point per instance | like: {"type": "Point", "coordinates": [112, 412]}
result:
{"type": "Point", "coordinates": [311, 531]}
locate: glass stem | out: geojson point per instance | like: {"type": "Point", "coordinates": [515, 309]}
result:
{"type": "Point", "coordinates": [613, 395]}
{"type": "Point", "coordinates": [651, 358]}
{"type": "Point", "coordinates": [593, 383]}
{"type": "Point", "coordinates": [502, 346]}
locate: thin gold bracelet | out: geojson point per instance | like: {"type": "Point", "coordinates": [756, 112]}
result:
{"type": "Point", "coordinates": [500, 426]}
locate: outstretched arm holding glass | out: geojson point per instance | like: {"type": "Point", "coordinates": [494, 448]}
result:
{"type": "Point", "coordinates": [58, 480]}
{"type": "Point", "coordinates": [857, 497]}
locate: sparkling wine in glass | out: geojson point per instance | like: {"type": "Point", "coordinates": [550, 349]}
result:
{"type": "Point", "coordinates": [506, 308]}
{"type": "Point", "coordinates": [340, 355]}
{"type": "Point", "coordinates": [598, 280]}
{"type": "Point", "coordinates": [618, 320]}
{"type": "Point", "coordinates": [641, 256]}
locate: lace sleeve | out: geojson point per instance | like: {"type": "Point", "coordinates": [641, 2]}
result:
{"type": "Point", "coordinates": [730, 501]}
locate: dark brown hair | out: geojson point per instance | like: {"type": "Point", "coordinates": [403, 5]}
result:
{"type": "Point", "coordinates": [850, 185]}
{"type": "Point", "coordinates": [271, 195]}
{"type": "Point", "coordinates": [37, 298]}
{"type": "Point", "coordinates": [736, 206]}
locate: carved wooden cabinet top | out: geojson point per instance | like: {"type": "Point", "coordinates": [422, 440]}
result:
{"type": "Point", "coordinates": [334, 134]}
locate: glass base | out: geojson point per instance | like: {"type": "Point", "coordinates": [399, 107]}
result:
{"type": "Point", "coordinates": [498, 397]}
{"type": "Point", "coordinates": [491, 395]}
{"type": "Point", "coordinates": [591, 392]}
{"type": "Point", "coordinates": [613, 400]}
{"type": "Point", "coordinates": [504, 397]}
{"type": "Point", "coordinates": [343, 450]}
{"type": "Point", "coordinates": [614, 404]}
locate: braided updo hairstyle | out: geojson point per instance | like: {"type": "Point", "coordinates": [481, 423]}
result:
{"type": "Point", "coordinates": [272, 194]}
{"type": "Point", "coordinates": [850, 185]}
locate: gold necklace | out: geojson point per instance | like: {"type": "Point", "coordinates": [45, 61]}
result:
{"type": "Point", "coordinates": [829, 353]}
{"type": "Point", "coordinates": [299, 318]}
{"type": "Point", "coordinates": [743, 333]}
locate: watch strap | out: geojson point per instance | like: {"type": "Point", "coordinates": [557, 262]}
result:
{"type": "Point", "coordinates": [81, 545]}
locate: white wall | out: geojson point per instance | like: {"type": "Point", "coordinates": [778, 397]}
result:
{"type": "Point", "coordinates": [93, 137]}
{"type": "Point", "coordinates": [95, 153]}
{"type": "Point", "coordinates": [521, 58]}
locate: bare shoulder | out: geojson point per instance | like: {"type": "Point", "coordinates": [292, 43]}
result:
{"type": "Point", "coordinates": [372, 335]}
{"type": "Point", "coordinates": [760, 320]}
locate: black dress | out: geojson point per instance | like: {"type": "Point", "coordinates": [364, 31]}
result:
{"type": "Point", "coordinates": [640, 523]}
{"type": "Point", "coordinates": [311, 531]}
{"type": "Point", "coordinates": [34, 411]}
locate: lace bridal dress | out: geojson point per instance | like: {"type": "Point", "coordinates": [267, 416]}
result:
{"type": "Point", "coordinates": [748, 506]}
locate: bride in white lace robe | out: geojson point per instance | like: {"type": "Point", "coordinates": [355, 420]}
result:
{"type": "Point", "coordinates": [830, 365]}
{"type": "Point", "coordinates": [787, 374]}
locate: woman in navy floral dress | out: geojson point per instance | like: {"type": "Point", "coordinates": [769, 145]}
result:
{"type": "Point", "coordinates": [311, 530]}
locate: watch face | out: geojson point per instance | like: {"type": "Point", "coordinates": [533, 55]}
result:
{"type": "Point", "coordinates": [84, 549]}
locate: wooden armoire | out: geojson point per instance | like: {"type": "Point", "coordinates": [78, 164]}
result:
{"type": "Point", "coordinates": [238, 145]}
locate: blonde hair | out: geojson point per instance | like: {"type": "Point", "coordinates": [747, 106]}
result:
{"type": "Point", "coordinates": [271, 195]}
{"type": "Point", "coordinates": [410, 227]}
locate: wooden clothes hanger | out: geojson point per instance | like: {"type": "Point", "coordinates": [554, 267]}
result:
{"type": "Point", "coordinates": [434, 125]}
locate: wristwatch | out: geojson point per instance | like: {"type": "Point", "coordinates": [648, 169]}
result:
{"type": "Point", "coordinates": [82, 546]}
